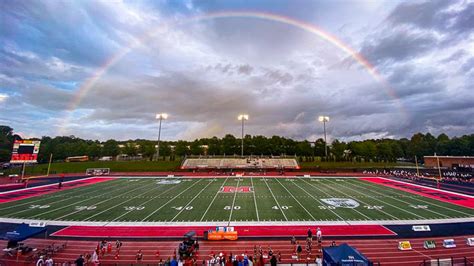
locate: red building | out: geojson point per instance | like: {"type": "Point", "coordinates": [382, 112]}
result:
{"type": "Point", "coordinates": [449, 161]}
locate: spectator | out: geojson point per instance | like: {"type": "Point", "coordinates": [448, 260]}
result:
{"type": "Point", "coordinates": [310, 234]}
{"type": "Point", "coordinates": [333, 244]}
{"type": "Point", "coordinates": [319, 236]}
{"type": "Point", "coordinates": [293, 240]}
{"type": "Point", "coordinates": [250, 261]}
{"type": "Point", "coordinates": [80, 261]}
{"type": "Point", "coordinates": [273, 261]}
{"type": "Point", "coordinates": [318, 261]}
{"type": "Point", "coordinates": [139, 256]}
{"type": "Point", "coordinates": [95, 258]}
{"type": "Point", "coordinates": [49, 262]}
{"type": "Point", "coordinates": [299, 249]}
{"type": "Point", "coordinates": [118, 244]}
{"type": "Point", "coordinates": [173, 262]}
{"type": "Point", "coordinates": [40, 261]}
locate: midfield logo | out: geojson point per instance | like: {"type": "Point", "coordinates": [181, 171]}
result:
{"type": "Point", "coordinates": [232, 189]}
{"type": "Point", "coordinates": [341, 202]}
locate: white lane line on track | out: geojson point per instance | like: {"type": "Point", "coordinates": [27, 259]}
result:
{"type": "Point", "coordinates": [215, 196]}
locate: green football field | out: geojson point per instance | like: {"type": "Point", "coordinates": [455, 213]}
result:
{"type": "Point", "coordinates": [232, 199]}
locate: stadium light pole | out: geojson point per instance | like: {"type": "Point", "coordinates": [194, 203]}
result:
{"type": "Point", "coordinates": [161, 117]}
{"type": "Point", "coordinates": [325, 119]}
{"type": "Point", "coordinates": [243, 117]}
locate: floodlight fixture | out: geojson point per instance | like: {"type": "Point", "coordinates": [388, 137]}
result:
{"type": "Point", "coordinates": [242, 117]}
{"type": "Point", "coordinates": [160, 117]}
{"type": "Point", "coordinates": [323, 119]}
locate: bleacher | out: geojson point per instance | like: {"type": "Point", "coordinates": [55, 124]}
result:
{"type": "Point", "coordinates": [383, 251]}
{"type": "Point", "coordinates": [240, 163]}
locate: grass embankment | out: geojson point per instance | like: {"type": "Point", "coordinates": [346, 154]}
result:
{"type": "Point", "coordinates": [80, 167]}
{"type": "Point", "coordinates": [152, 166]}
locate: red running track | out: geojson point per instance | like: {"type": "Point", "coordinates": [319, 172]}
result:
{"type": "Point", "coordinates": [244, 231]}
{"type": "Point", "coordinates": [432, 193]}
{"type": "Point", "coordinates": [48, 189]}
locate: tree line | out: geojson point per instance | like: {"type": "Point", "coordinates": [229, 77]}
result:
{"type": "Point", "coordinates": [377, 150]}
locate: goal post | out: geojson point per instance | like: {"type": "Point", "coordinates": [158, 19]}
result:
{"type": "Point", "coordinates": [97, 171]}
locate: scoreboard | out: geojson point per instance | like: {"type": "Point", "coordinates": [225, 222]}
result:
{"type": "Point", "coordinates": [25, 151]}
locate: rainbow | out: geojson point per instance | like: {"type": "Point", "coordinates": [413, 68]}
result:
{"type": "Point", "coordinates": [310, 28]}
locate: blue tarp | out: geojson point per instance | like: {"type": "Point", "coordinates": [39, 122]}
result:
{"type": "Point", "coordinates": [344, 255]}
{"type": "Point", "coordinates": [22, 232]}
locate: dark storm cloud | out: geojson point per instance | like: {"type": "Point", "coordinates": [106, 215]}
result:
{"type": "Point", "coordinates": [206, 72]}
{"type": "Point", "coordinates": [398, 45]}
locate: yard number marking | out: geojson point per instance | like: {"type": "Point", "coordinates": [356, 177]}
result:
{"type": "Point", "coordinates": [39, 206]}
{"type": "Point", "coordinates": [188, 208]}
{"type": "Point", "coordinates": [228, 208]}
{"type": "Point", "coordinates": [84, 208]}
{"type": "Point", "coordinates": [322, 207]}
{"type": "Point", "coordinates": [134, 208]}
{"type": "Point", "coordinates": [418, 206]}
{"type": "Point", "coordinates": [282, 207]}
{"type": "Point", "coordinates": [373, 207]}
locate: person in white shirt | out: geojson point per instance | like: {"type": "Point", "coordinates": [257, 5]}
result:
{"type": "Point", "coordinates": [319, 235]}
{"type": "Point", "coordinates": [49, 262]}
{"type": "Point", "coordinates": [40, 261]}
{"type": "Point", "coordinates": [318, 261]}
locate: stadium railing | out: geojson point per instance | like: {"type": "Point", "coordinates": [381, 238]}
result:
{"type": "Point", "coordinates": [447, 261]}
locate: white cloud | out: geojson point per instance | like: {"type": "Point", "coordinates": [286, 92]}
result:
{"type": "Point", "coordinates": [3, 97]}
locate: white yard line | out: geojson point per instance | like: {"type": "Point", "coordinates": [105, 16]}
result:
{"type": "Point", "coordinates": [314, 219]}
{"type": "Point", "coordinates": [74, 203]}
{"type": "Point", "coordinates": [420, 199]}
{"type": "Point", "coordinates": [427, 187]}
{"type": "Point", "coordinates": [233, 201]}
{"type": "Point", "coordinates": [394, 206]}
{"type": "Point", "coordinates": [106, 200]}
{"type": "Point", "coordinates": [409, 203]}
{"type": "Point", "coordinates": [143, 203]}
{"type": "Point", "coordinates": [327, 194]}
{"type": "Point", "coordinates": [278, 204]}
{"type": "Point", "coordinates": [254, 198]}
{"type": "Point", "coordinates": [149, 215]}
{"type": "Point", "coordinates": [50, 196]}
{"type": "Point", "coordinates": [215, 196]}
{"type": "Point", "coordinates": [48, 185]}
{"type": "Point", "coordinates": [197, 195]}
{"type": "Point", "coordinates": [397, 218]}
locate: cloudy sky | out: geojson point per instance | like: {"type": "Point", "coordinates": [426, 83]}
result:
{"type": "Point", "coordinates": [103, 69]}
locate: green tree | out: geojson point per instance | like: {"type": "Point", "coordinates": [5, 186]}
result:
{"type": "Point", "coordinates": [181, 148]}
{"type": "Point", "coordinates": [111, 148]}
